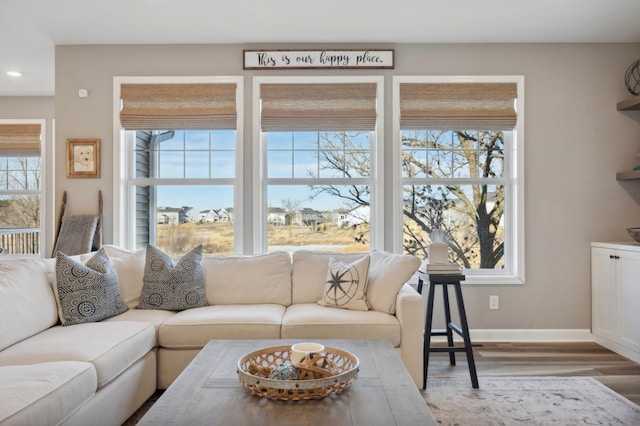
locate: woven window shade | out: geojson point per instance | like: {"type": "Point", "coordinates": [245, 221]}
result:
{"type": "Point", "coordinates": [477, 106]}
{"type": "Point", "coordinates": [17, 140]}
{"type": "Point", "coordinates": [178, 106]}
{"type": "Point", "coordinates": [318, 107]}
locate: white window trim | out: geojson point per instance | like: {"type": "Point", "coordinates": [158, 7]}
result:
{"type": "Point", "coordinates": [260, 154]}
{"type": "Point", "coordinates": [515, 214]}
{"type": "Point", "coordinates": [123, 222]}
{"type": "Point", "coordinates": [47, 189]}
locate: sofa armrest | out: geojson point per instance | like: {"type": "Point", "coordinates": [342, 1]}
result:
{"type": "Point", "coordinates": [410, 314]}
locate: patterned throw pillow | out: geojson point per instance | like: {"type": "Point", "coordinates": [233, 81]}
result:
{"type": "Point", "coordinates": [89, 292]}
{"type": "Point", "coordinates": [346, 284]}
{"type": "Point", "coordinates": [169, 287]}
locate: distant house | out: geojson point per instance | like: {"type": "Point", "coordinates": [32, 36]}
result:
{"type": "Point", "coordinates": [208, 216]}
{"type": "Point", "coordinates": [356, 216]}
{"type": "Point", "coordinates": [311, 217]}
{"type": "Point", "coordinates": [276, 216]}
{"type": "Point", "coordinates": [173, 215]}
{"type": "Point", "coordinates": [224, 215]}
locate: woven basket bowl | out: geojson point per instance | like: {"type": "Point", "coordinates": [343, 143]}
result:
{"type": "Point", "coordinates": [345, 363]}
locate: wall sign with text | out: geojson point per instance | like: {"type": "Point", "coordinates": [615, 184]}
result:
{"type": "Point", "coordinates": [311, 59]}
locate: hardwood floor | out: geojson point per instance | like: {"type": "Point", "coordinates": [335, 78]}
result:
{"type": "Point", "coordinates": [546, 359]}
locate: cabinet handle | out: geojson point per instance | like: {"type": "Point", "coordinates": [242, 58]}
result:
{"type": "Point", "coordinates": [611, 256]}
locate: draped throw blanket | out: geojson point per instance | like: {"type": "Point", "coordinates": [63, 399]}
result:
{"type": "Point", "coordinates": [77, 234]}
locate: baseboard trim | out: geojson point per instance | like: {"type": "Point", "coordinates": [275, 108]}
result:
{"type": "Point", "coordinates": [526, 335]}
{"type": "Point", "coordinates": [541, 335]}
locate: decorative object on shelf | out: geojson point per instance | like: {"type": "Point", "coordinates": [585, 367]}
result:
{"type": "Point", "coordinates": [632, 78]}
{"type": "Point", "coordinates": [83, 158]}
{"type": "Point", "coordinates": [444, 268]}
{"type": "Point", "coordinates": [634, 233]}
{"type": "Point", "coordinates": [438, 256]}
{"type": "Point", "coordinates": [438, 250]}
{"type": "Point", "coordinates": [255, 368]}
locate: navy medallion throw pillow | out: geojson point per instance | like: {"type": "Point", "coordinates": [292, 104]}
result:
{"type": "Point", "coordinates": [89, 292]}
{"type": "Point", "coordinates": [173, 287]}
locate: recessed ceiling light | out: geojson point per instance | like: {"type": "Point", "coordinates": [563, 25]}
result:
{"type": "Point", "coordinates": [14, 73]}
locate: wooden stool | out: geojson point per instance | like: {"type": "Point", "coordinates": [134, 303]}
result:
{"type": "Point", "coordinates": [462, 331]}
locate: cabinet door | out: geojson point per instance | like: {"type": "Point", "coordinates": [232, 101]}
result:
{"type": "Point", "coordinates": [604, 307]}
{"type": "Point", "coordinates": [629, 298]}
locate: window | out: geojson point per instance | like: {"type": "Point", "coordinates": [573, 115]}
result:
{"type": "Point", "coordinates": [21, 187]}
{"type": "Point", "coordinates": [181, 149]}
{"type": "Point", "coordinates": [460, 172]}
{"type": "Point", "coordinates": [318, 164]}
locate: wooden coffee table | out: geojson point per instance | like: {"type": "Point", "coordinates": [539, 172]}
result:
{"type": "Point", "coordinates": [209, 392]}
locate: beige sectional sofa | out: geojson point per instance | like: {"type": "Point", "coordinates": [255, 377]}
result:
{"type": "Point", "coordinates": [101, 372]}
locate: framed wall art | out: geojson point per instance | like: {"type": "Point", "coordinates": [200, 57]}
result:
{"type": "Point", "coordinates": [83, 158]}
{"type": "Point", "coordinates": [316, 59]}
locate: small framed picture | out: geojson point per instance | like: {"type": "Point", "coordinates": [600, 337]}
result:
{"type": "Point", "coordinates": [83, 158]}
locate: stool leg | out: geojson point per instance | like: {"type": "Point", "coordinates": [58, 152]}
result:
{"type": "Point", "coordinates": [427, 333]}
{"type": "Point", "coordinates": [465, 336]}
{"type": "Point", "coordinates": [447, 321]}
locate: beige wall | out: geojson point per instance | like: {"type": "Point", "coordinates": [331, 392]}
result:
{"type": "Point", "coordinates": [575, 142]}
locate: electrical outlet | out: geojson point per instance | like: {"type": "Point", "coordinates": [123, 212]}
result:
{"type": "Point", "coordinates": [494, 302]}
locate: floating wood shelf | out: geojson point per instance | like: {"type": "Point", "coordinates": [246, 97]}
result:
{"type": "Point", "coordinates": [634, 175]}
{"type": "Point", "coordinates": [632, 104]}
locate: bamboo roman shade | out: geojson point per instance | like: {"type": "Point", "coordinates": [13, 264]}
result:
{"type": "Point", "coordinates": [472, 106]}
{"type": "Point", "coordinates": [178, 106]}
{"type": "Point", "coordinates": [318, 107]}
{"type": "Point", "coordinates": [17, 140]}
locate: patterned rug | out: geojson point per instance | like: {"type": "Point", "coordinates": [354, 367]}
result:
{"type": "Point", "coordinates": [528, 401]}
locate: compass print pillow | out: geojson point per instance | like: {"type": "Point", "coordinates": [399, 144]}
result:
{"type": "Point", "coordinates": [346, 284]}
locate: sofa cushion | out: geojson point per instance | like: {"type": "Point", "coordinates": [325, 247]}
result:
{"type": "Point", "coordinates": [89, 292]}
{"type": "Point", "coordinates": [312, 321]}
{"type": "Point", "coordinates": [44, 393]}
{"type": "Point", "coordinates": [309, 270]}
{"type": "Point", "coordinates": [173, 287]}
{"type": "Point", "coordinates": [111, 347]}
{"type": "Point", "coordinates": [154, 316]}
{"type": "Point", "coordinates": [346, 284]}
{"type": "Point", "coordinates": [195, 327]}
{"type": "Point", "coordinates": [387, 274]}
{"type": "Point", "coordinates": [130, 268]}
{"type": "Point", "coordinates": [27, 303]}
{"type": "Point", "coordinates": [249, 279]}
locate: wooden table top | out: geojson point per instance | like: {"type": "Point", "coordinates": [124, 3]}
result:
{"type": "Point", "coordinates": [209, 392]}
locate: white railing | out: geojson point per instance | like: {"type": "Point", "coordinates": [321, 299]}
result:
{"type": "Point", "coordinates": [20, 240]}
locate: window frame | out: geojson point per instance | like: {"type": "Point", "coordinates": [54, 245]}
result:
{"type": "Point", "coordinates": [124, 179]}
{"type": "Point", "coordinates": [47, 216]}
{"type": "Point", "coordinates": [514, 171]}
{"type": "Point", "coordinates": [261, 181]}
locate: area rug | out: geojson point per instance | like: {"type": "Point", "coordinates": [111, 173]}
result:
{"type": "Point", "coordinates": [528, 401]}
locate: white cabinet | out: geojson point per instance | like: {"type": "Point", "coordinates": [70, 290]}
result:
{"type": "Point", "coordinates": [615, 297]}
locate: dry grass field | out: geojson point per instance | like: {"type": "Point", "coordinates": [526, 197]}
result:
{"type": "Point", "coordinates": [217, 238]}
